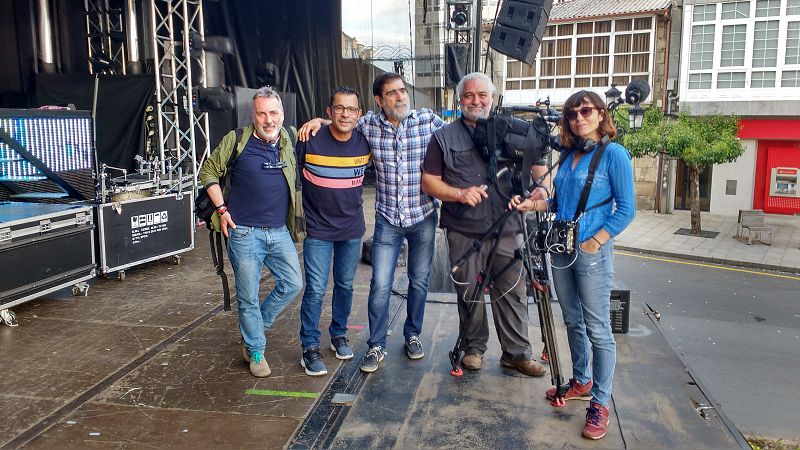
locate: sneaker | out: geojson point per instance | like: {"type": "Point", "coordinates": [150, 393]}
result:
{"type": "Point", "coordinates": [312, 362]}
{"type": "Point", "coordinates": [258, 365]}
{"type": "Point", "coordinates": [414, 348]}
{"type": "Point", "coordinates": [370, 362]}
{"type": "Point", "coordinates": [472, 361]}
{"type": "Point", "coordinates": [528, 366]}
{"type": "Point", "coordinates": [596, 421]}
{"type": "Point", "coordinates": [576, 391]}
{"type": "Point", "coordinates": [341, 346]}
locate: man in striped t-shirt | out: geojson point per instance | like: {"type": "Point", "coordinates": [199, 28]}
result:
{"type": "Point", "coordinates": [333, 164]}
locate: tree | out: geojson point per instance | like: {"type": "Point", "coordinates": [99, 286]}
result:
{"type": "Point", "coordinates": [700, 141]}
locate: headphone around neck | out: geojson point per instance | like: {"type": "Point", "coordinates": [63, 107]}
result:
{"type": "Point", "coordinates": [588, 145]}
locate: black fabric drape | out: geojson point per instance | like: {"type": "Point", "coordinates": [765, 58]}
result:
{"type": "Point", "coordinates": [303, 37]}
{"type": "Point", "coordinates": [119, 118]}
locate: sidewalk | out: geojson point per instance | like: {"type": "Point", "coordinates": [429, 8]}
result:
{"type": "Point", "coordinates": [655, 234]}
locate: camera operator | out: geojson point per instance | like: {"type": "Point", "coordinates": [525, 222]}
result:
{"type": "Point", "coordinates": [583, 280]}
{"type": "Point", "coordinates": [455, 172]}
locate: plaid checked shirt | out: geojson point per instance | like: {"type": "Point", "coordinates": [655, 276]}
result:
{"type": "Point", "coordinates": [397, 155]}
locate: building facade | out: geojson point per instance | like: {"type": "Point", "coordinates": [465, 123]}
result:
{"type": "Point", "coordinates": [743, 58]}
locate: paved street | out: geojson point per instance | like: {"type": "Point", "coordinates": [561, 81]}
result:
{"type": "Point", "coordinates": [738, 329]}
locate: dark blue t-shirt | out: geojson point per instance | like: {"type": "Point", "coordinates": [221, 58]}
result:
{"type": "Point", "coordinates": [332, 174]}
{"type": "Point", "coordinates": [259, 195]}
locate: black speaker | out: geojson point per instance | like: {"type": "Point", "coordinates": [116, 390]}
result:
{"type": "Point", "coordinates": [519, 28]}
{"type": "Point", "coordinates": [456, 63]}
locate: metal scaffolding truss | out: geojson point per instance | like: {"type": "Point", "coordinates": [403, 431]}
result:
{"type": "Point", "coordinates": [182, 129]}
{"type": "Point", "coordinates": [105, 34]}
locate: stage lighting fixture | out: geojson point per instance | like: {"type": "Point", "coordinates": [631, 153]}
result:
{"type": "Point", "coordinates": [214, 99]}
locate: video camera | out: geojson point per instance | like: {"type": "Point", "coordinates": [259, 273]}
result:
{"type": "Point", "coordinates": [511, 141]}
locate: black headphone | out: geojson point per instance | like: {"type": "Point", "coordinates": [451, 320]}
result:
{"type": "Point", "coordinates": [588, 145]}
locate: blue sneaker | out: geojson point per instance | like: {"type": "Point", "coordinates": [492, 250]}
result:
{"type": "Point", "coordinates": [371, 359]}
{"type": "Point", "coordinates": [414, 348]}
{"type": "Point", "coordinates": [341, 346]}
{"type": "Point", "coordinates": [312, 362]}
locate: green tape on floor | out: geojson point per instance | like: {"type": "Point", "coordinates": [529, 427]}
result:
{"type": "Point", "coordinates": [281, 393]}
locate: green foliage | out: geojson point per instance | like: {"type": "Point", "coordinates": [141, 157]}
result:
{"type": "Point", "coordinates": [698, 140]}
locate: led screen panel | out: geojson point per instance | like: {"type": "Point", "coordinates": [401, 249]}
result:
{"type": "Point", "coordinates": [62, 140]}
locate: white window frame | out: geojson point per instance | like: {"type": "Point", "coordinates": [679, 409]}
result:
{"type": "Point", "coordinates": [748, 92]}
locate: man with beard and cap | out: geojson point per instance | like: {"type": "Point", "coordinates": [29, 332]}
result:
{"type": "Point", "coordinates": [258, 219]}
{"type": "Point", "coordinates": [455, 172]}
{"type": "Point", "coordinates": [333, 164]}
{"type": "Point", "coordinates": [398, 137]}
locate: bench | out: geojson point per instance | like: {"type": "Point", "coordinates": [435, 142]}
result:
{"type": "Point", "coordinates": [752, 221]}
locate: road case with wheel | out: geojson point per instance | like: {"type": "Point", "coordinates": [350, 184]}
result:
{"type": "Point", "coordinates": [43, 248]}
{"type": "Point", "coordinates": [136, 231]}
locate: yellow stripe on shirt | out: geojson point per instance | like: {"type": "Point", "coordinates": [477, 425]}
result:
{"type": "Point", "coordinates": [338, 161]}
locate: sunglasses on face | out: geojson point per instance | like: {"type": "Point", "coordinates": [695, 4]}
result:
{"type": "Point", "coordinates": [586, 111]}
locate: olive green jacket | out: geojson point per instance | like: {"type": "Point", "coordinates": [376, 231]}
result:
{"type": "Point", "coordinates": [215, 167]}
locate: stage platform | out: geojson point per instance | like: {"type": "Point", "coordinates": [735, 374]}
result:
{"type": "Point", "coordinates": [154, 362]}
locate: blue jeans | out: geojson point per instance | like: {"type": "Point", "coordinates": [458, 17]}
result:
{"type": "Point", "coordinates": [250, 248]}
{"type": "Point", "coordinates": [317, 255]}
{"type": "Point", "coordinates": [386, 245]}
{"type": "Point", "coordinates": [584, 292]}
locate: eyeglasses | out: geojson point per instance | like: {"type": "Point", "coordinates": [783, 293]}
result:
{"type": "Point", "coordinates": [396, 92]}
{"type": "Point", "coordinates": [273, 165]}
{"type": "Point", "coordinates": [586, 111]}
{"type": "Point", "coordinates": [339, 109]}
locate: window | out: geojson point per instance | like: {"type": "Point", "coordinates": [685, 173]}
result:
{"type": "Point", "coordinates": [792, 7]}
{"type": "Point", "coordinates": [700, 81]}
{"type": "Point", "coordinates": [735, 10]}
{"type": "Point", "coordinates": [768, 8]}
{"type": "Point", "coordinates": [703, 13]}
{"type": "Point", "coordinates": [793, 43]}
{"type": "Point", "coordinates": [733, 42]}
{"type": "Point", "coordinates": [791, 78]}
{"type": "Point", "coordinates": [702, 49]}
{"type": "Point", "coordinates": [642, 23]}
{"type": "Point", "coordinates": [762, 80]}
{"type": "Point", "coordinates": [765, 44]}
{"type": "Point", "coordinates": [729, 80]}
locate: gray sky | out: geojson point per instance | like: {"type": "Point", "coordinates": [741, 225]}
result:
{"type": "Point", "coordinates": [378, 22]}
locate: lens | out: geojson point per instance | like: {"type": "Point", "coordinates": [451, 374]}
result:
{"type": "Point", "coordinates": [586, 111]}
{"type": "Point", "coordinates": [571, 115]}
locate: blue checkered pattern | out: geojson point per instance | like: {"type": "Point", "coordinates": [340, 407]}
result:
{"type": "Point", "coordinates": [397, 155]}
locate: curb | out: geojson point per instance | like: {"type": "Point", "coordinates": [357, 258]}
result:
{"type": "Point", "coordinates": [708, 259]}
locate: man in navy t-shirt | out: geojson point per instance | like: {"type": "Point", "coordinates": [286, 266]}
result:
{"type": "Point", "coordinates": [333, 164]}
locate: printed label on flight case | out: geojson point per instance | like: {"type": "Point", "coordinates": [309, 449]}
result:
{"type": "Point", "coordinates": [143, 225]}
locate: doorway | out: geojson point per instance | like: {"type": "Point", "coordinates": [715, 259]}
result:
{"type": "Point", "coordinates": [682, 187]}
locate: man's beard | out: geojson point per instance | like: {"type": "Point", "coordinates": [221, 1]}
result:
{"type": "Point", "coordinates": [265, 136]}
{"type": "Point", "coordinates": [398, 113]}
{"type": "Point", "coordinates": [475, 114]}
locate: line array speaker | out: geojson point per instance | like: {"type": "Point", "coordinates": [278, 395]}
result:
{"type": "Point", "coordinates": [519, 28]}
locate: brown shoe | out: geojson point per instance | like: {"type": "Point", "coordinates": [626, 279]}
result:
{"type": "Point", "coordinates": [472, 361]}
{"type": "Point", "coordinates": [528, 367]}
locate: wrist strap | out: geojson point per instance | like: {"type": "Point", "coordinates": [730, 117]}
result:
{"type": "Point", "coordinates": [597, 240]}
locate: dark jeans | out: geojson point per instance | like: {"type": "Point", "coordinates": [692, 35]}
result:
{"type": "Point", "coordinates": [386, 245]}
{"type": "Point", "coordinates": [317, 257]}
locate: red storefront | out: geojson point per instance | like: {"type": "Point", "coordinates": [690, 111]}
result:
{"type": "Point", "coordinates": [777, 173]}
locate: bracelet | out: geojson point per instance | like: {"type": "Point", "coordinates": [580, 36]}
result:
{"type": "Point", "coordinates": [222, 210]}
{"type": "Point", "coordinates": [459, 194]}
{"type": "Point", "coordinates": [598, 242]}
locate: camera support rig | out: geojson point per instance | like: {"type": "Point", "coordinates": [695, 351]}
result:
{"type": "Point", "coordinates": [533, 254]}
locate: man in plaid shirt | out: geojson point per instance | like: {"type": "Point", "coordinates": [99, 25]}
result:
{"type": "Point", "coordinates": [398, 137]}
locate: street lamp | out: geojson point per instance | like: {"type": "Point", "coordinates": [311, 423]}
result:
{"type": "Point", "coordinates": [613, 95]}
{"type": "Point", "coordinates": [635, 117]}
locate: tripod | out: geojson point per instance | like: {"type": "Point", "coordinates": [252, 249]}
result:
{"type": "Point", "coordinates": [537, 275]}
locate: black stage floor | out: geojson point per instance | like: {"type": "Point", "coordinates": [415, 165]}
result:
{"type": "Point", "coordinates": [154, 362]}
{"type": "Point", "coordinates": [418, 404]}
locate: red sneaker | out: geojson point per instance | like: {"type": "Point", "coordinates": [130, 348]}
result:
{"type": "Point", "coordinates": [596, 421]}
{"type": "Point", "coordinates": [576, 391]}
